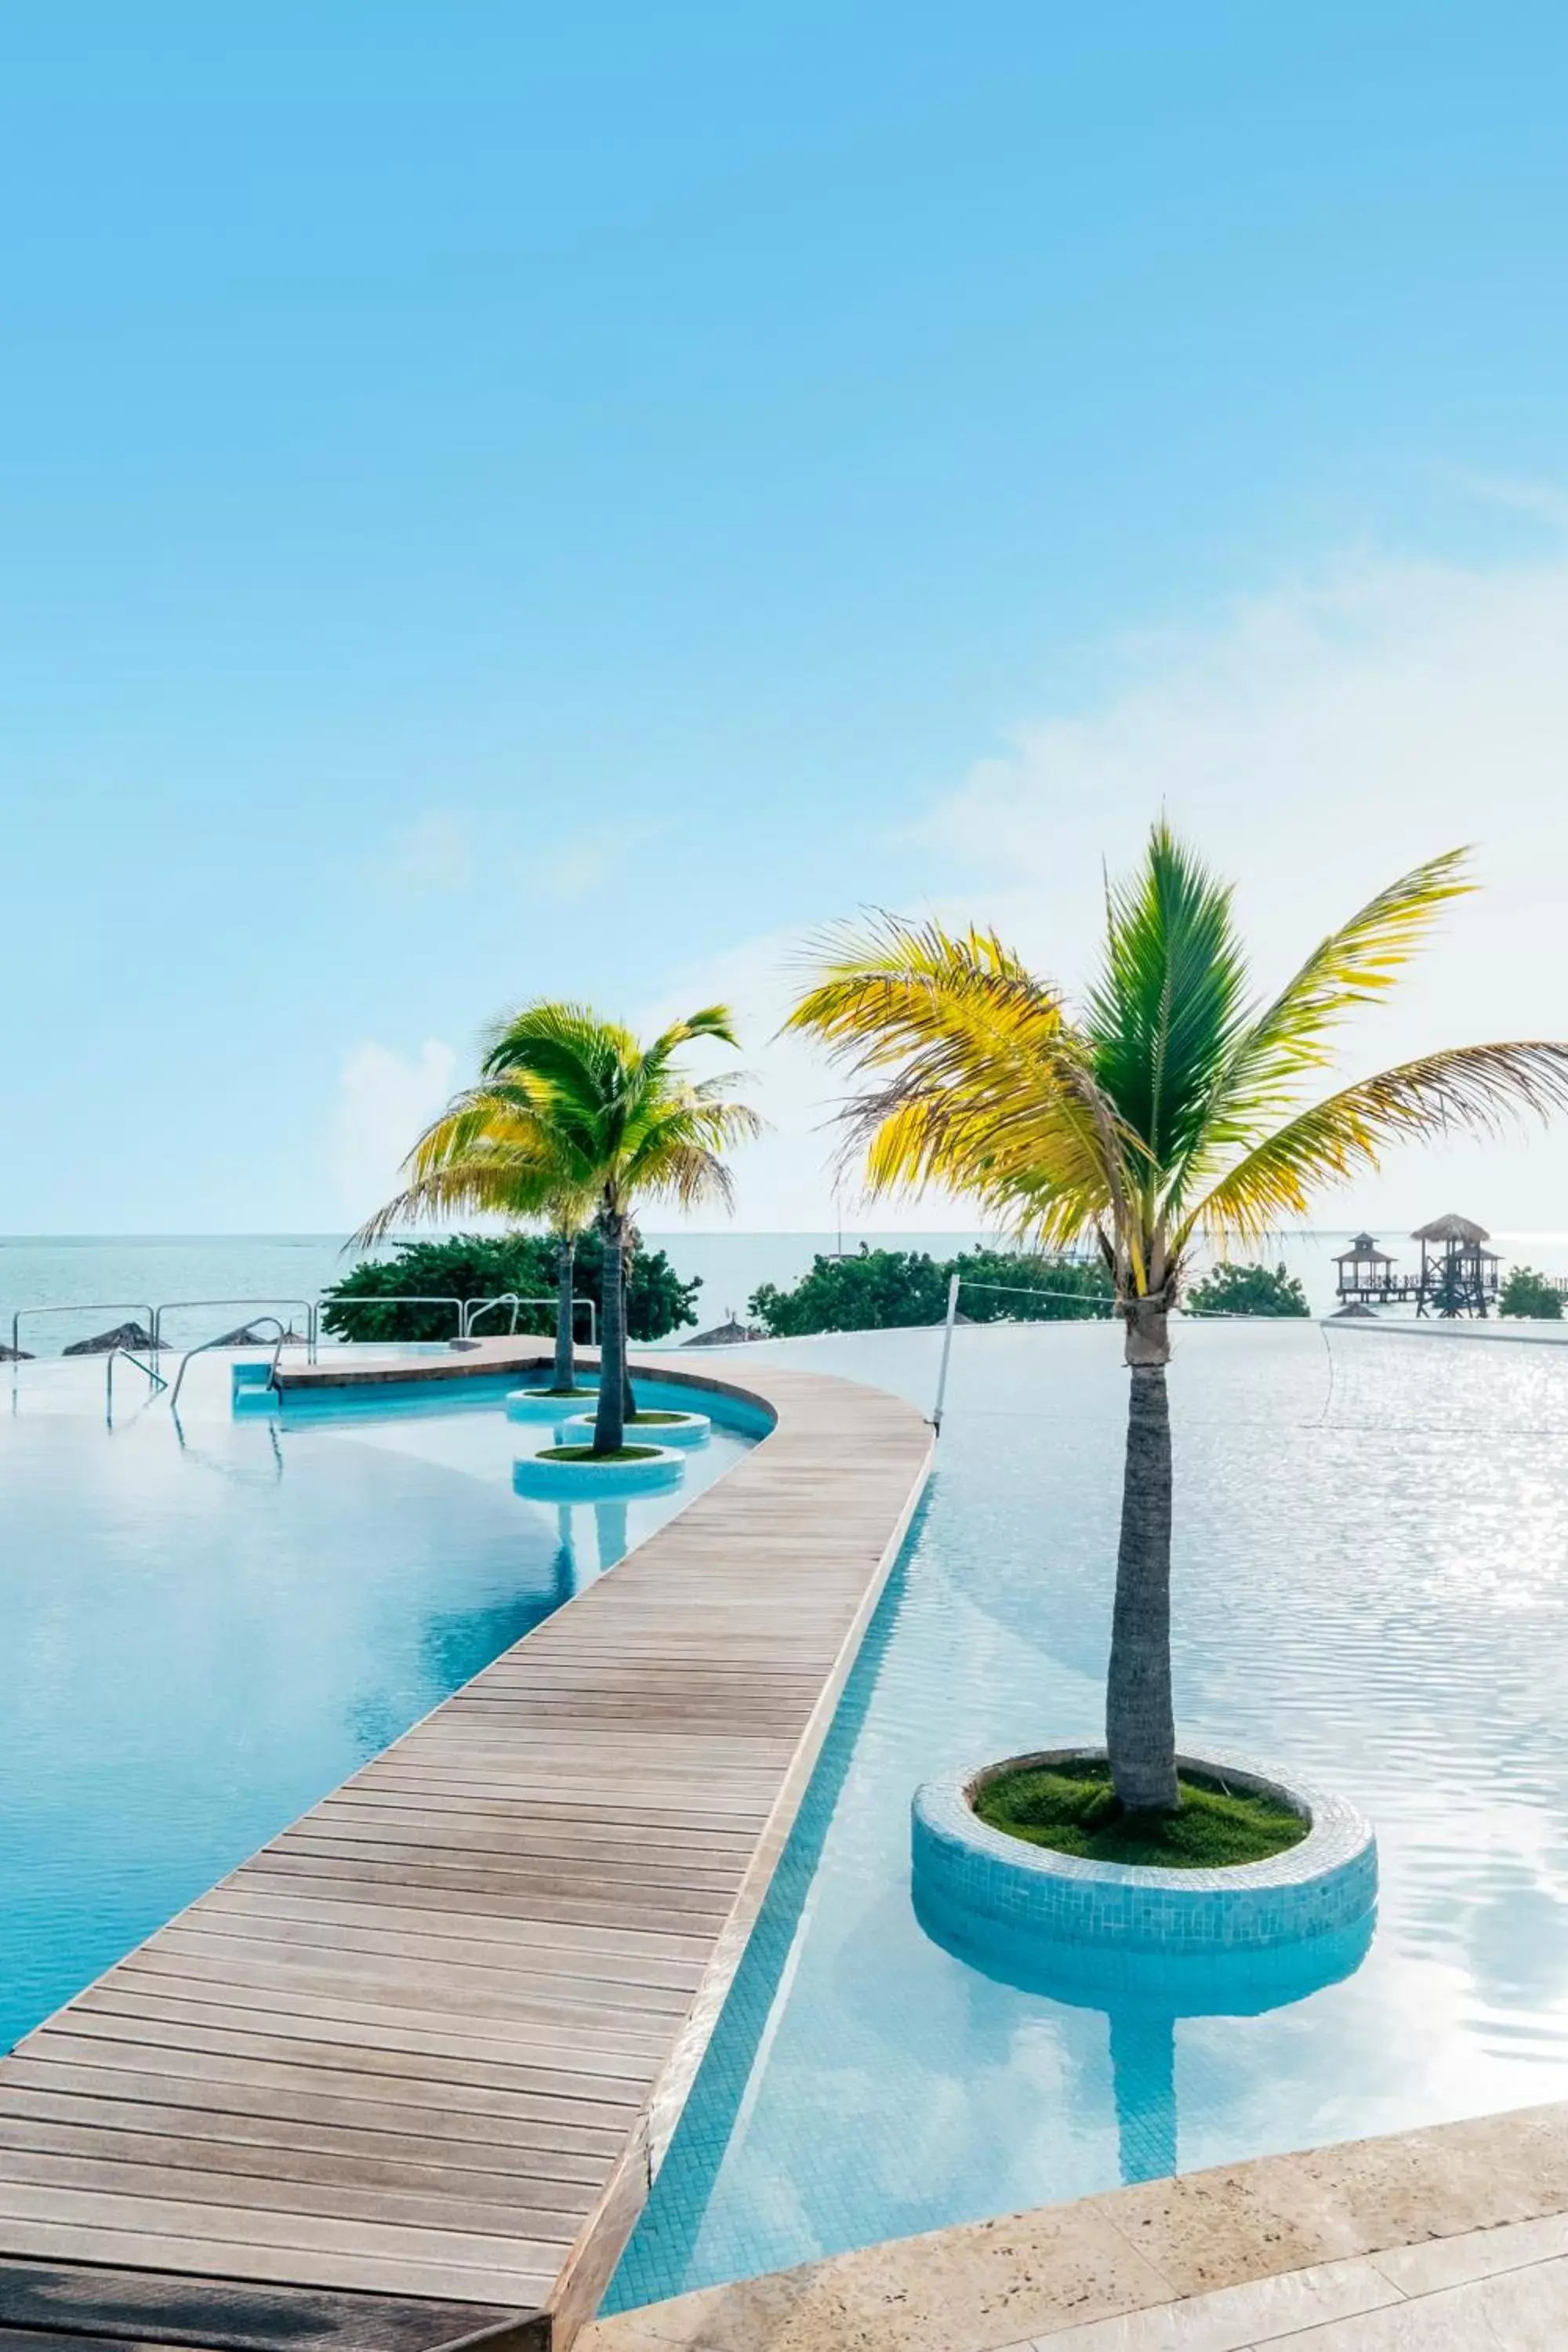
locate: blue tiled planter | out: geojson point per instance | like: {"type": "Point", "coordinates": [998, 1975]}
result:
{"type": "Point", "coordinates": [968, 1871]}
{"type": "Point", "coordinates": [689, 1429]}
{"type": "Point", "coordinates": [586, 1481]}
{"type": "Point", "coordinates": [538, 1404]}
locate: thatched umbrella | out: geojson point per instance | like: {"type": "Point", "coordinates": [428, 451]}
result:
{"type": "Point", "coordinates": [1453, 1229]}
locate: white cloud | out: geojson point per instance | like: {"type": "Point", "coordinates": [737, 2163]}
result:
{"type": "Point", "coordinates": [431, 859]}
{"type": "Point", "coordinates": [1544, 502]}
{"type": "Point", "coordinates": [384, 1099]}
{"type": "Point", "coordinates": [574, 867]}
{"type": "Point", "coordinates": [1315, 741]}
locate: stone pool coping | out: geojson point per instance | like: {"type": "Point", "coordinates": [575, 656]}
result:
{"type": "Point", "coordinates": [1350, 2228]}
{"type": "Point", "coordinates": [402, 2079]}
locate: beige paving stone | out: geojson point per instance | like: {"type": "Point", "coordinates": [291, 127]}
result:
{"type": "Point", "coordinates": [1522, 2310]}
{"type": "Point", "coordinates": [1274, 2213]}
{"type": "Point", "coordinates": [1236, 2318]}
{"type": "Point", "coordinates": [1479, 2253]}
{"type": "Point", "coordinates": [1527, 2310]}
{"type": "Point", "coordinates": [975, 2289]}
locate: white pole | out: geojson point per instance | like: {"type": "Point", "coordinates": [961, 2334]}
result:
{"type": "Point", "coordinates": [946, 1353]}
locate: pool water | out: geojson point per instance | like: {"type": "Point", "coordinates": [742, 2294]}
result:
{"type": "Point", "coordinates": [206, 1625]}
{"type": "Point", "coordinates": [1371, 1584]}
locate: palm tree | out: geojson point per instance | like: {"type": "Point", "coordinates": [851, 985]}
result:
{"type": "Point", "coordinates": [1166, 1109]}
{"type": "Point", "coordinates": [483, 1156]}
{"type": "Point", "coordinates": [628, 1126]}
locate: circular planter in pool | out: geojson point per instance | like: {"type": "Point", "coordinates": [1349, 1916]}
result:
{"type": "Point", "coordinates": [544, 1405]}
{"type": "Point", "coordinates": [669, 1429]}
{"type": "Point", "coordinates": [968, 1872]}
{"type": "Point", "coordinates": [584, 1480]}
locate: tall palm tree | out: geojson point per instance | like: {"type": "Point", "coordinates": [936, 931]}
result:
{"type": "Point", "coordinates": [481, 1157]}
{"type": "Point", "coordinates": [1165, 1110]}
{"type": "Point", "coordinates": [628, 1126]}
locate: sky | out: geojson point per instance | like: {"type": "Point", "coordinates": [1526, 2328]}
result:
{"type": "Point", "coordinates": [499, 501]}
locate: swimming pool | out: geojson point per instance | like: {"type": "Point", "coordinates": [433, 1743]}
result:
{"type": "Point", "coordinates": [209, 1624]}
{"type": "Point", "coordinates": [1371, 1582]}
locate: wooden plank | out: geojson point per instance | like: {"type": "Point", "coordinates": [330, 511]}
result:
{"type": "Point", "coordinates": [309, 2097]}
{"type": "Point", "coordinates": [147, 2246]}
{"type": "Point", "coordinates": [405, 2002]}
{"type": "Point", "coordinates": [338, 2165]}
{"type": "Point", "coordinates": [48, 2339]}
{"type": "Point", "coordinates": [340, 2161]}
{"type": "Point", "coordinates": [514, 1962]}
{"type": "Point", "coordinates": [422, 2049]}
{"type": "Point", "coordinates": [446, 2203]}
{"type": "Point", "coordinates": [386, 1964]}
{"type": "Point", "coordinates": [312, 2081]}
{"type": "Point", "coordinates": [85, 2301]}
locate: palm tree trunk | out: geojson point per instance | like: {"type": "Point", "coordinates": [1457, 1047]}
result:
{"type": "Point", "coordinates": [609, 1423]}
{"type": "Point", "coordinates": [629, 1251]}
{"type": "Point", "coordinates": [1139, 1724]}
{"type": "Point", "coordinates": [565, 1266]}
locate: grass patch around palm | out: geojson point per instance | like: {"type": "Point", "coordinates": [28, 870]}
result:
{"type": "Point", "coordinates": [1072, 1808]}
{"type": "Point", "coordinates": [586, 1454]}
{"type": "Point", "coordinates": [646, 1419]}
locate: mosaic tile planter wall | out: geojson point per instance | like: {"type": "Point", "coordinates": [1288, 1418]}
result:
{"type": "Point", "coordinates": [1320, 1888]}
{"type": "Point", "coordinates": [586, 1480]}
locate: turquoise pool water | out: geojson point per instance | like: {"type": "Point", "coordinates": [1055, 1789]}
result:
{"type": "Point", "coordinates": [1371, 1581]}
{"type": "Point", "coordinates": [205, 1626]}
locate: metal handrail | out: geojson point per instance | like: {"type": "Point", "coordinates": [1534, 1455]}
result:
{"type": "Point", "coordinates": [172, 1305]}
{"type": "Point", "coordinates": [474, 1307]}
{"type": "Point", "coordinates": [90, 1306]}
{"type": "Point", "coordinates": [226, 1342]}
{"type": "Point", "coordinates": [155, 1376]}
{"type": "Point", "coordinates": [399, 1299]}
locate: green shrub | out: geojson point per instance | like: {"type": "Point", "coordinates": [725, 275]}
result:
{"type": "Point", "coordinates": [883, 1289]}
{"type": "Point", "coordinates": [1247, 1290]}
{"type": "Point", "coordinates": [479, 1265]}
{"type": "Point", "coordinates": [1071, 1289]}
{"type": "Point", "coordinates": [1527, 1293]}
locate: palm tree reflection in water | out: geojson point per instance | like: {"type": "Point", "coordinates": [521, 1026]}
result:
{"type": "Point", "coordinates": [1143, 1995]}
{"type": "Point", "coordinates": [611, 1544]}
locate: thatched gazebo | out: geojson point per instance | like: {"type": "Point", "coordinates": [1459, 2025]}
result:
{"type": "Point", "coordinates": [730, 1334]}
{"type": "Point", "coordinates": [1458, 1273]}
{"type": "Point", "coordinates": [1365, 1270]}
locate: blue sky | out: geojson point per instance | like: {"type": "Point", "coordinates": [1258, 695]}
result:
{"type": "Point", "coordinates": [497, 500]}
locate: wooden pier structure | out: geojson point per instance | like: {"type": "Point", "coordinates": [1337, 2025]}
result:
{"type": "Point", "coordinates": [1458, 1274]}
{"type": "Point", "coordinates": [401, 2080]}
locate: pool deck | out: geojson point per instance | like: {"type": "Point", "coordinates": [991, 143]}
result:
{"type": "Point", "coordinates": [402, 2079]}
{"type": "Point", "coordinates": [1451, 2238]}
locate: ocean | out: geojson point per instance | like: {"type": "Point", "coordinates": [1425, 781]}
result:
{"type": "Point", "coordinates": [104, 1279]}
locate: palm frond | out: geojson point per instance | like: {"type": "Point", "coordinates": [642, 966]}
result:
{"type": "Point", "coordinates": [976, 1078]}
{"type": "Point", "coordinates": [1360, 962]}
{"type": "Point", "coordinates": [1170, 999]}
{"type": "Point", "coordinates": [1355, 966]}
{"type": "Point", "coordinates": [1463, 1086]}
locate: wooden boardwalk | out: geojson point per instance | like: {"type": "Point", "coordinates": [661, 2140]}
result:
{"type": "Point", "coordinates": [401, 2080]}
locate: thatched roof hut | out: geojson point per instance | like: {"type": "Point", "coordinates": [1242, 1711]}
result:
{"type": "Point", "coordinates": [1453, 1229]}
{"type": "Point", "coordinates": [731, 1334]}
